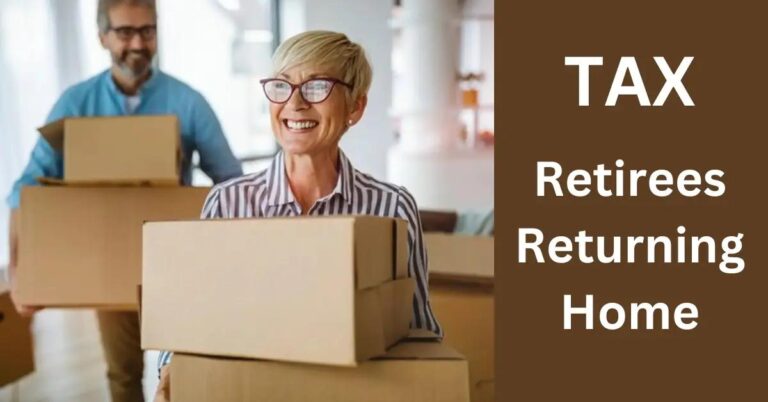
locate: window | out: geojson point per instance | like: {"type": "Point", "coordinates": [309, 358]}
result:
{"type": "Point", "coordinates": [29, 83]}
{"type": "Point", "coordinates": [222, 48]}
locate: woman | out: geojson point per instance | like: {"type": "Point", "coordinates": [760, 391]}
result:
{"type": "Point", "coordinates": [318, 91]}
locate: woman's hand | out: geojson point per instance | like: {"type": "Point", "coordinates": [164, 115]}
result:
{"type": "Point", "coordinates": [163, 393]}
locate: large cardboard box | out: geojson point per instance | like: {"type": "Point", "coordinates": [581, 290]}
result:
{"type": "Point", "coordinates": [409, 372]}
{"type": "Point", "coordinates": [16, 354]}
{"type": "Point", "coordinates": [461, 293]}
{"type": "Point", "coordinates": [309, 289]}
{"type": "Point", "coordinates": [81, 247]}
{"type": "Point", "coordinates": [127, 149]}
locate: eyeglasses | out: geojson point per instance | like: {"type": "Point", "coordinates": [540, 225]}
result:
{"type": "Point", "coordinates": [313, 90]}
{"type": "Point", "coordinates": [126, 33]}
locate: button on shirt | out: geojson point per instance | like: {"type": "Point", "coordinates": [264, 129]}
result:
{"type": "Point", "coordinates": [267, 194]}
{"type": "Point", "coordinates": [132, 103]}
{"type": "Point", "coordinates": [161, 94]}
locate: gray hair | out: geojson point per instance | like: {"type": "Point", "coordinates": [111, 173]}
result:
{"type": "Point", "coordinates": [327, 49]}
{"type": "Point", "coordinates": [102, 13]}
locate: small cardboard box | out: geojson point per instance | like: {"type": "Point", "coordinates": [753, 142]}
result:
{"type": "Point", "coordinates": [408, 372]}
{"type": "Point", "coordinates": [462, 298]}
{"type": "Point", "coordinates": [325, 290]}
{"type": "Point", "coordinates": [117, 150]}
{"type": "Point", "coordinates": [16, 354]}
{"type": "Point", "coordinates": [81, 246]}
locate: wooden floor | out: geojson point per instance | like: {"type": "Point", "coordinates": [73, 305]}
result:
{"type": "Point", "coordinates": [70, 363]}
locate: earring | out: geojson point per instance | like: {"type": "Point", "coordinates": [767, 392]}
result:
{"type": "Point", "coordinates": [350, 122]}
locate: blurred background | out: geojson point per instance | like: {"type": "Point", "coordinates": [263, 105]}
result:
{"type": "Point", "coordinates": [429, 123]}
{"type": "Point", "coordinates": [428, 126]}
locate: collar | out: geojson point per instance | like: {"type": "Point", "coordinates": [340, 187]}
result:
{"type": "Point", "coordinates": [151, 83]}
{"type": "Point", "coordinates": [279, 191]}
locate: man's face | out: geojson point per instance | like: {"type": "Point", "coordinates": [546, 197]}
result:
{"type": "Point", "coordinates": [131, 40]}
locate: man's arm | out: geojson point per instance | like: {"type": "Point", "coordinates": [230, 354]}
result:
{"type": "Point", "coordinates": [216, 157]}
{"type": "Point", "coordinates": [44, 161]}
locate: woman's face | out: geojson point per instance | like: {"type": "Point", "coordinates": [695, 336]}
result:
{"type": "Point", "coordinates": [309, 128]}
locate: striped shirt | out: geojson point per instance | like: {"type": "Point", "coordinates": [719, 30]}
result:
{"type": "Point", "coordinates": [267, 194]}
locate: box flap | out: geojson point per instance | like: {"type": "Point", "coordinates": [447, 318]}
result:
{"type": "Point", "coordinates": [52, 181]}
{"type": "Point", "coordinates": [397, 308]}
{"type": "Point", "coordinates": [424, 350]}
{"type": "Point", "coordinates": [403, 307]}
{"type": "Point", "coordinates": [374, 242]}
{"type": "Point", "coordinates": [370, 331]}
{"type": "Point", "coordinates": [54, 134]}
{"type": "Point", "coordinates": [420, 335]}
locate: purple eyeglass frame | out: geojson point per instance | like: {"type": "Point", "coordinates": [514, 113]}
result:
{"type": "Point", "coordinates": [298, 86]}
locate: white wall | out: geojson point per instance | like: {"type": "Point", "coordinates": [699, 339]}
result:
{"type": "Point", "coordinates": [364, 22]}
{"type": "Point", "coordinates": [29, 84]}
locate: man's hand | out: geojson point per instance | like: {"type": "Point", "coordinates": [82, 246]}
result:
{"type": "Point", "coordinates": [13, 246]}
{"type": "Point", "coordinates": [163, 393]}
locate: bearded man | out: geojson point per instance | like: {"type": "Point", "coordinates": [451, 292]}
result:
{"type": "Point", "coordinates": [131, 86]}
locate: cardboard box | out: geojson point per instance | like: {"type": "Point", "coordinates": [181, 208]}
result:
{"type": "Point", "coordinates": [308, 289]}
{"type": "Point", "coordinates": [81, 247]}
{"type": "Point", "coordinates": [463, 256]}
{"type": "Point", "coordinates": [16, 354]}
{"type": "Point", "coordinates": [466, 312]}
{"type": "Point", "coordinates": [112, 150]}
{"type": "Point", "coordinates": [462, 298]}
{"type": "Point", "coordinates": [409, 372]}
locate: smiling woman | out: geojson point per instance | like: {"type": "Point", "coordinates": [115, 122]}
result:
{"type": "Point", "coordinates": [318, 92]}
{"type": "Point", "coordinates": [333, 76]}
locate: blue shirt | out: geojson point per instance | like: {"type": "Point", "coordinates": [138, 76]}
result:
{"type": "Point", "coordinates": [161, 94]}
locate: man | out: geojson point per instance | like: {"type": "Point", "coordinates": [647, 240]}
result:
{"type": "Point", "coordinates": [127, 29]}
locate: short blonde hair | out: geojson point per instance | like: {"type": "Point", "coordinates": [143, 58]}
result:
{"type": "Point", "coordinates": [326, 49]}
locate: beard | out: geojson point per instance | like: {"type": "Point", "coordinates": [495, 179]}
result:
{"type": "Point", "coordinates": [133, 63]}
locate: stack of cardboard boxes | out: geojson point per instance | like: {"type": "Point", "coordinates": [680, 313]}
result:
{"type": "Point", "coordinates": [290, 309]}
{"type": "Point", "coordinates": [461, 291]}
{"type": "Point", "coordinates": [272, 309]}
{"type": "Point", "coordinates": [80, 237]}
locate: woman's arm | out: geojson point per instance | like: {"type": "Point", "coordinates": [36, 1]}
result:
{"type": "Point", "coordinates": [417, 264]}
